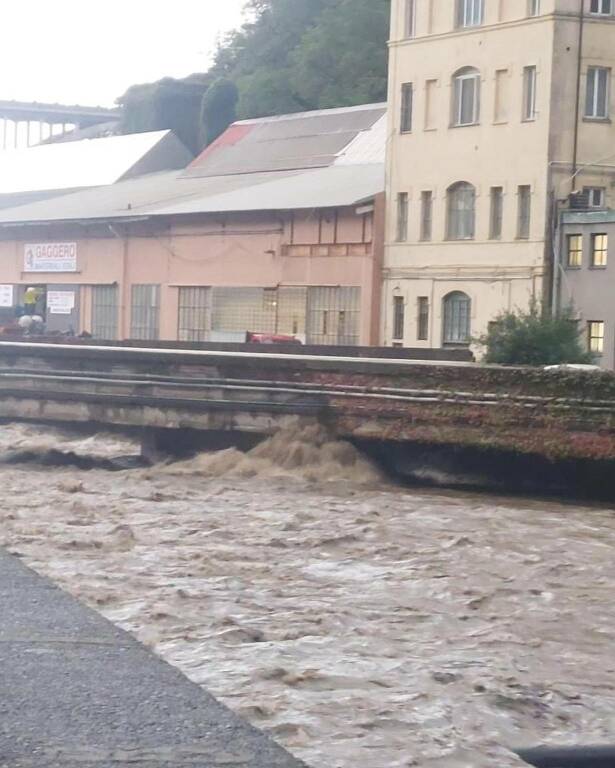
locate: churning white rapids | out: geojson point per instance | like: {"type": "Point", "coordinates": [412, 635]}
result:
{"type": "Point", "coordinates": [361, 625]}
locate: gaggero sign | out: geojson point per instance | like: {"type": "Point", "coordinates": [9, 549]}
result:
{"type": "Point", "coordinates": [50, 257]}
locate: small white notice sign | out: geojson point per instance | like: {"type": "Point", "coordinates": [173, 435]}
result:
{"type": "Point", "coordinates": [6, 296]}
{"type": "Point", "coordinates": [60, 302]}
{"type": "Point", "coordinates": [50, 257]}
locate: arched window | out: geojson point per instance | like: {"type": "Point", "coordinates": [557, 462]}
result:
{"type": "Point", "coordinates": [466, 96]}
{"type": "Point", "coordinates": [461, 204]}
{"type": "Point", "coordinates": [457, 315]}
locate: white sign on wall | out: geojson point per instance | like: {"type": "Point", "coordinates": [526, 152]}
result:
{"type": "Point", "coordinates": [6, 296]}
{"type": "Point", "coordinates": [50, 257]}
{"type": "Point", "coordinates": [60, 302]}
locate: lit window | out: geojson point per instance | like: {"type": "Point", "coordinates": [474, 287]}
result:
{"type": "Point", "coordinates": [422, 320]}
{"type": "Point", "coordinates": [469, 13]}
{"type": "Point", "coordinates": [399, 318]}
{"type": "Point", "coordinates": [410, 18]}
{"type": "Point", "coordinates": [533, 8]}
{"type": "Point", "coordinates": [426, 215]}
{"type": "Point", "coordinates": [596, 197]}
{"type": "Point", "coordinates": [597, 93]}
{"type": "Point", "coordinates": [595, 336]}
{"type": "Point", "coordinates": [574, 251]}
{"type": "Point", "coordinates": [466, 97]}
{"type": "Point", "coordinates": [600, 250]}
{"type": "Point", "coordinates": [406, 108]}
{"type": "Point", "coordinates": [524, 194]}
{"type": "Point", "coordinates": [601, 7]}
{"type": "Point", "coordinates": [497, 205]}
{"type": "Point", "coordinates": [402, 217]}
{"type": "Point", "coordinates": [457, 312]}
{"type": "Point", "coordinates": [529, 93]}
{"type": "Point", "coordinates": [461, 205]}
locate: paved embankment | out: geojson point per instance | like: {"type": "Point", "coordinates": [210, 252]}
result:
{"type": "Point", "coordinates": [75, 691]}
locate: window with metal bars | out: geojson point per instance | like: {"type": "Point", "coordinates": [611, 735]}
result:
{"type": "Point", "coordinates": [194, 321]}
{"type": "Point", "coordinates": [334, 316]}
{"type": "Point", "coordinates": [422, 320]}
{"type": "Point", "coordinates": [399, 318]}
{"type": "Point", "coordinates": [145, 312]}
{"type": "Point", "coordinates": [105, 312]}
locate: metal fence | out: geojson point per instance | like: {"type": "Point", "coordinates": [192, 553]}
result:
{"type": "Point", "coordinates": [333, 316]}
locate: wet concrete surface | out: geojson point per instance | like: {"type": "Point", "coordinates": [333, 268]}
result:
{"type": "Point", "coordinates": [75, 691]}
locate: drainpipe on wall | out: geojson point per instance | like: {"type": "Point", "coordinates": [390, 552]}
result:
{"type": "Point", "coordinates": [577, 112]}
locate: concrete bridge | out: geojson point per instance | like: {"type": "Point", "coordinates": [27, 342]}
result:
{"type": "Point", "coordinates": [26, 123]}
{"type": "Point", "coordinates": [482, 419]}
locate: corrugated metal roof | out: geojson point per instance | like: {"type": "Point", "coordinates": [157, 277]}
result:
{"type": "Point", "coordinates": [88, 163]}
{"type": "Point", "coordinates": [290, 142]}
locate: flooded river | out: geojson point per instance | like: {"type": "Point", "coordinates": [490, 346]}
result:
{"type": "Point", "coordinates": [362, 625]}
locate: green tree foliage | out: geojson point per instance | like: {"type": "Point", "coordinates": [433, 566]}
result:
{"type": "Point", "coordinates": [535, 338]}
{"type": "Point", "coordinates": [219, 109]}
{"type": "Point", "coordinates": [289, 56]}
{"type": "Point", "coordinates": [167, 104]}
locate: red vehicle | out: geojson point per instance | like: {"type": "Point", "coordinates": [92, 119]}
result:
{"type": "Point", "coordinates": [270, 338]}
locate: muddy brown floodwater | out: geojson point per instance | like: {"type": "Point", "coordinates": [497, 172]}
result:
{"type": "Point", "coordinates": [362, 625]}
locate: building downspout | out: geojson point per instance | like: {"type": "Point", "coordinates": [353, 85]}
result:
{"type": "Point", "coordinates": [577, 112]}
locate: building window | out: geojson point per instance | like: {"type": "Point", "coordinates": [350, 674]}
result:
{"type": "Point", "coordinates": [574, 251]}
{"type": "Point", "coordinates": [402, 217]}
{"type": "Point", "coordinates": [600, 250]}
{"type": "Point", "coordinates": [406, 108]}
{"type": "Point", "coordinates": [410, 18]}
{"type": "Point", "coordinates": [524, 194]}
{"type": "Point", "coordinates": [497, 208]}
{"type": "Point", "coordinates": [601, 7]}
{"type": "Point", "coordinates": [597, 93]}
{"type": "Point", "coordinates": [595, 336]}
{"type": "Point", "coordinates": [466, 97]}
{"type": "Point", "coordinates": [596, 197]}
{"type": "Point", "coordinates": [399, 318]}
{"type": "Point", "coordinates": [194, 321]}
{"type": "Point", "coordinates": [533, 8]}
{"type": "Point", "coordinates": [469, 13]}
{"type": "Point", "coordinates": [333, 316]}
{"type": "Point", "coordinates": [461, 205]}
{"type": "Point", "coordinates": [426, 215]}
{"type": "Point", "coordinates": [145, 315]}
{"type": "Point", "coordinates": [529, 93]}
{"type": "Point", "coordinates": [104, 312]}
{"type": "Point", "coordinates": [422, 320]}
{"type": "Point", "coordinates": [457, 311]}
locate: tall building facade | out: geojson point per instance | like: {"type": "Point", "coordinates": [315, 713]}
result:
{"type": "Point", "coordinates": [499, 109]}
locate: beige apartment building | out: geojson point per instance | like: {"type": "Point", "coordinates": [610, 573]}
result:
{"type": "Point", "coordinates": [499, 109]}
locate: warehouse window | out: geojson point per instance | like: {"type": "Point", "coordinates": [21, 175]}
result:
{"type": "Point", "coordinates": [104, 312]}
{"type": "Point", "coordinates": [595, 336]}
{"type": "Point", "coordinates": [145, 315]}
{"type": "Point", "coordinates": [333, 316]}
{"type": "Point", "coordinates": [194, 323]}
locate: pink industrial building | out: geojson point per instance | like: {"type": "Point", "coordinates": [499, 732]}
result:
{"type": "Point", "coordinates": [276, 228]}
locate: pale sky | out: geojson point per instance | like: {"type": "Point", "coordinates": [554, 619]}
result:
{"type": "Point", "coordinates": [90, 51]}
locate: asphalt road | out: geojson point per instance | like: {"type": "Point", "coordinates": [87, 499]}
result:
{"type": "Point", "coordinates": [77, 692]}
